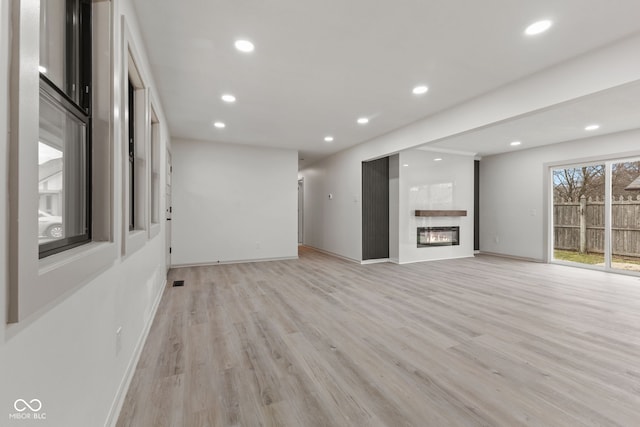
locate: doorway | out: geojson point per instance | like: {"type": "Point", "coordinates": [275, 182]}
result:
{"type": "Point", "coordinates": [168, 211]}
{"type": "Point", "coordinates": [301, 211]}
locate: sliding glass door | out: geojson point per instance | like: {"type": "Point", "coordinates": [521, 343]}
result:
{"type": "Point", "coordinates": [596, 215]}
{"type": "Point", "coordinates": [625, 215]}
{"type": "Point", "coordinates": [578, 214]}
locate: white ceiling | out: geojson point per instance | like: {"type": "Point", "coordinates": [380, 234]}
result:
{"type": "Point", "coordinates": [319, 65]}
{"type": "Point", "coordinates": [614, 110]}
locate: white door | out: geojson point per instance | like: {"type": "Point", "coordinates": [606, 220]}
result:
{"type": "Point", "coordinates": [168, 210]}
{"type": "Point", "coordinates": [300, 211]}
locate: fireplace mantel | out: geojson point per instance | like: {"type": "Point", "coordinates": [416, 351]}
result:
{"type": "Point", "coordinates": [440, 213]}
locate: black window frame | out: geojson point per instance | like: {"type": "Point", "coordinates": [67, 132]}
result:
{"type": "Point", "coordinates": [132, 155]}
{"type": "Point", "coordinates": [78, 18]}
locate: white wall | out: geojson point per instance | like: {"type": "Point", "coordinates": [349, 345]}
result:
{"type": "Point", "coordinates": [336, 225]}
{"type": "Point", "coordinates": [233, 203]}
{"type": "Point", "coordinates": [429, 185]}
{"type": "Point", "coordinates": [512, 191]}
{"type": "Point", "coordinates": [65, 355]}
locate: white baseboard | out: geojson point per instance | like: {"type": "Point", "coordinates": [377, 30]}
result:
{"type": "Point", "coordinates": [435, 259]}
{"type": "Point", "coordinates": [374, 261]}
{"type": "Point", "coordinates": [332, 254]}
{"type": "Point", "coordinates": [118, 401]}
{"type": "Point", "coordinates": [519, 258]}
{"type": "Point", "coordinates": [235, 261]}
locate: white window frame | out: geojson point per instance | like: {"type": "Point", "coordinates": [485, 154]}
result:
{"type": "Point", "coordinates": [37, 284]}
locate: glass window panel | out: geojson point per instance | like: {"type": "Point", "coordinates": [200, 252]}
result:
{"type": "Point", "coordinates": [59, 45]}
{"type": "Point", "coordinates": [579, 214]}
{"type": "Point", "coordinates": [155, 175]}
{"type": "Point", "coordinates": [132, 157]}
{"type": "Point", "coordinates": [62, 173]}
{"type": "Point", "coordinates": [625, 216]}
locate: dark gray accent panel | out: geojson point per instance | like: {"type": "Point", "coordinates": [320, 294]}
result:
{"type": "Point", "coordinates": [476, 205]}
{"type": "Point", "coordinates": [375, 209]}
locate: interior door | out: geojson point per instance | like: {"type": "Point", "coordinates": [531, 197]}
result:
{"type": "Point", "coordinates": [300, 211]}
{"type": "Point", "coordinates": [168, 210]}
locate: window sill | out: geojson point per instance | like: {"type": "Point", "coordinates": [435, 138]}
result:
{"type": "Point", "coordinates": [154, 231]}
{"type": "Point", "coordinates": [42, 283]}
{"type": "Point", "coordinates": [134, 241]}
{"type": "Point", "coordinates": [79, 253]}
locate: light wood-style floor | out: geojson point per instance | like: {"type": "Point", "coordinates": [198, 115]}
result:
{"type": "Point", "coordinates": [320, 341]}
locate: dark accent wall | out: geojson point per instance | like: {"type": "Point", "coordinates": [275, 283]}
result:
{"type": "Point", "coordinates": [375, 209]}
{"type": "Point", "coordinates": [476, 206]}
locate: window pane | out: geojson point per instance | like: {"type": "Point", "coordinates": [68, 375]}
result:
{"type": "Point", "coordinates": [132, 157]}
{"type": "Point", "coordinates": [155, 172]}
{"type": "Point", "coordinates": [578, 214]}
{"type": "Point", "coordinates": [62, 173]}
{"type": "Point", "coordinates": [625, 216]}
{"type": "Point", "coordinates": [59, 45]}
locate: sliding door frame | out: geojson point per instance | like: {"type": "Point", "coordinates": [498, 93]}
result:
{"type": "Point", "coordinates": [608, 162]}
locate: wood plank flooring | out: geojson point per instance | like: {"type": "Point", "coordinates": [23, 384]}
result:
{"type": "Point", "coordinates": [320, 341]}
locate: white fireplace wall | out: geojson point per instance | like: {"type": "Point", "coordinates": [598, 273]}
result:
{"type": "Point", "coordinates": [426, 184]}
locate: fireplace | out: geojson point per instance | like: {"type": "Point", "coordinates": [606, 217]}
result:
{"type": "Point", "coordinates": [438, 236]}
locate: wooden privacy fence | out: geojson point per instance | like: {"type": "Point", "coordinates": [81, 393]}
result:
{"type": "Point", "coordinates": [579, 225]}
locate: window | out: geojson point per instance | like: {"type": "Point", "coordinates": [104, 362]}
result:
{"type": "Point", "coordinates": [137, 137]}
{"type": "Point", "coordinates": [61, 167]}
{"type": "Point", "coordinates": [132, 156]}
{"type": "Point", "coordinates": [155, 168]}
{"type": "Point", "coordinates": [64, 143]}
{"type": "Point", "coordinates": [136, 131]}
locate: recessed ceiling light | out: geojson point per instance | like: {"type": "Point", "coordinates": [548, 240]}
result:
{"type": "Point", "coordinates": [363, 121]}
{"type": "Point", "coordinates": [42, 69]}
{"type": "Point", "coordinates": [592, 127]}
{"type": "Point", "coordinates": [515, 143]}
{"type": "Point", "coordinates": [437, 159]}
{"type": "Point", "coordinates": [406, 165]}
{"type": "Point", "coordinates": [328, 139]}
{"type": "Point", "coordinates": [244, 46]}
{"type": "Point", "coordinates": [538, 27]}
{"type": "Point", "coordinates": [419, 90]}
{"type": "Point", "coordinates": [228, 98]}
{"type": "Point", "coordinates": [219, 125]}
